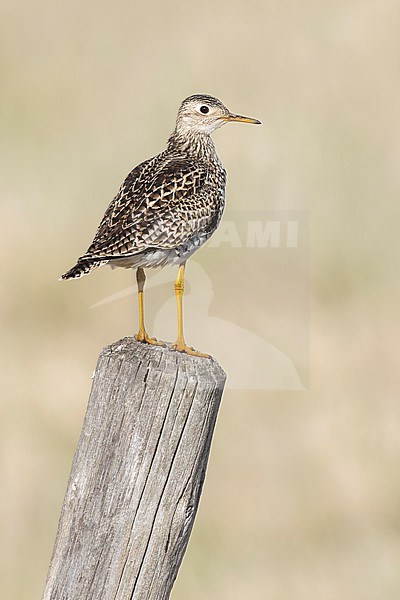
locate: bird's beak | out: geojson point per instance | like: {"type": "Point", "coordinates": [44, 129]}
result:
{"type": "Point", "coordinates": [240, 119]}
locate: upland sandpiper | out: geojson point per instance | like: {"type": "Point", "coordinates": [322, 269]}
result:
{"type": "Point", "coordinates": [167, 207]}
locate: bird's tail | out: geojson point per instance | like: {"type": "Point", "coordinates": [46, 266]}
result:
{"type": "Point", "coordinates": [82, 267]}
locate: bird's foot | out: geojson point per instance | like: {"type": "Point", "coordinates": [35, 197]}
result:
{"type": "Point", "coordinates": [143, 336]}
{"type": "Point", "coordinates": [180, 346]}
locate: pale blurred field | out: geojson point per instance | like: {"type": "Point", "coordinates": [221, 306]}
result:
{"type": "Point", "coordinates": [302, 497]}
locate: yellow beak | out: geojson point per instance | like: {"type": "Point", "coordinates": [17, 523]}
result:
{"type": "Point", "coordinates": [240, 119]}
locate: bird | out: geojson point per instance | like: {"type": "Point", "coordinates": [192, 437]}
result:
{"type": "Point", "coordinates": [166, 208]}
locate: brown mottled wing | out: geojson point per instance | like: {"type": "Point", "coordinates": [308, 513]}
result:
{"type": "Point", "coordinates": [161, 204]}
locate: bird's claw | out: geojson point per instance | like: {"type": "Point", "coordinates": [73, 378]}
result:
{"type": "Point", "coordinates": [143, 336]}
{"type": "Point", "coordinates": [180, 346]}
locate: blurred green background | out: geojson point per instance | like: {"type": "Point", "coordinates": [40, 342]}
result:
{"type": "Point", "coordinates": [301, 499]}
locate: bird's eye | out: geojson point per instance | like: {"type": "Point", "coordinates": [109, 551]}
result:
{"type": "Point", "coordinates": [204, 109]}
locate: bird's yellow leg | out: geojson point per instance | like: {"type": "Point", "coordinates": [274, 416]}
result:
{"type": "Point", "coordinates": [142, 335]}
{"type": "Point", "coordinates": [180, 344]}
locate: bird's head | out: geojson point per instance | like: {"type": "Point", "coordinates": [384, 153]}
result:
{"type": "Point", "coordinates": [204, 114]}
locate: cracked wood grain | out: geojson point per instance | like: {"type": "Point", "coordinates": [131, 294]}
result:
{"type": "Point", "coordinates": [137, 475]}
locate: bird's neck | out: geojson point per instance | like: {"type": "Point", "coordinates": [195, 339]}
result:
{"type": "Point", "coordinates": [192, 144]}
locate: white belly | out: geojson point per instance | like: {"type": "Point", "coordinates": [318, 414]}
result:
{"type": "Point", "coordinates": [160, 257]}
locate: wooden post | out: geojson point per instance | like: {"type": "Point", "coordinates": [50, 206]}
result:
{"type": "Point", "coordinates": [137, 474]}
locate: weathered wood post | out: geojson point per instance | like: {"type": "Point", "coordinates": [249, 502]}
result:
{"type": "Point", "coordinates": [137, 474]}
